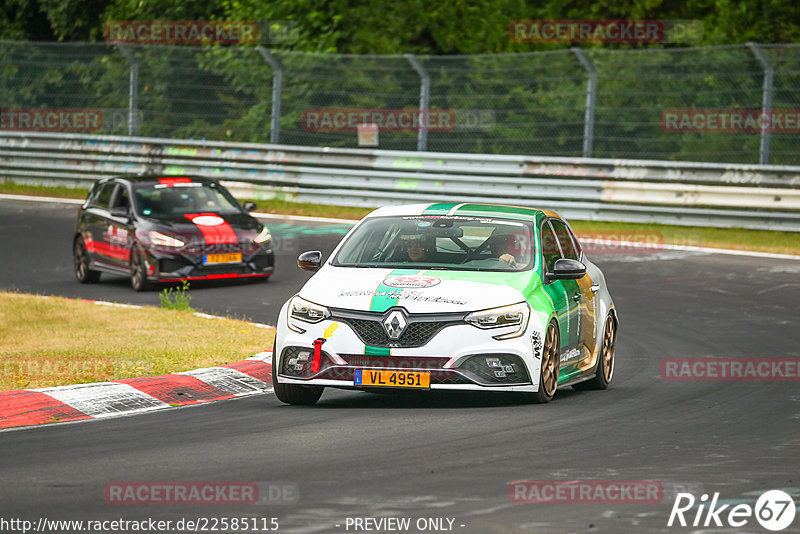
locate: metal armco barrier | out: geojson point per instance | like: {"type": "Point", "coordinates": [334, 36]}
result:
{"type": "Point", "coordinates": [699, 194]}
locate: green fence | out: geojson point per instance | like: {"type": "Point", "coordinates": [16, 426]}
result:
{"type": "Point", "coordinates": [578, 102]}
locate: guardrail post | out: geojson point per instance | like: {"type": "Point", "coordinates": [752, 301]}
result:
{"type": "Point", "coordinates": [424, 98]}
{"type": "Point", "coordinates": [766, 101]}
{"type": "Point", "coordinates": [591, 94]}
{"type": "Point", "coordinates": [133, 90]}
{"type": "Point", "coordinates": [277, 84]}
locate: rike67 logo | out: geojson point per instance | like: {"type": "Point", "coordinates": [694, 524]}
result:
{"type": "Point", "coordinates": [774, 510]}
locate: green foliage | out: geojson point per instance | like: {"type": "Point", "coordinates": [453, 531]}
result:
{"type": "Point", "coordinates": [398, 26]}
{"type": "Point", "coordinates": [176, 298]}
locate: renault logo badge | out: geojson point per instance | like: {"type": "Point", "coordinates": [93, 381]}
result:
{"type": "Point", "coordinates": [394, 323]}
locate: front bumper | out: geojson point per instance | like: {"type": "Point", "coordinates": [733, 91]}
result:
{"type": "Point", "coordinates": [172, 266]}
{"type": "Point", "coordinates": [458, 356]}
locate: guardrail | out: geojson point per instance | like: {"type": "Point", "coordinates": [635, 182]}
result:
{"type": "Point", "coordinates": [701, 194]}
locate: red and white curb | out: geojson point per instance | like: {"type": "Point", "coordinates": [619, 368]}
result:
{"type": "Point", "coordinates": [136, 395]}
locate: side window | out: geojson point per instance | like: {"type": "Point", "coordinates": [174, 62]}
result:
{"type": "Point", "coordinates": [103, 198]}
{"type": "Point", "coordinates": [578, 246]}
{"type": "Point", "coordinates": [122, 199]}
{"type": "Point", "coordinates": [564, 239]}
{"type": "Point", "coordinates": [550, 249]}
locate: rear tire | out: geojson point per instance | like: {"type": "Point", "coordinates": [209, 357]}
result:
{"type": "Point", "coordinates": [139, 281]}
{"type": "Point", "coordinates": [605, 360]}
{"type": "Point", "coordinates": [293, 393]}
{"type": "Point", "coordinates": [548, 371]}
{"type": "Point", "coordinates": [81, 262]}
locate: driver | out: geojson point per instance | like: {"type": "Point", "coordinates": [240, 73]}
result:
{"type": "Point", "coordinates": [416, 247]}
{"type": "Point", "coordinates": [499, 247]}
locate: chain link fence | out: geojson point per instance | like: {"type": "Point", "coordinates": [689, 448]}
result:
{"type": "Point", "coordinates": [573, 102]}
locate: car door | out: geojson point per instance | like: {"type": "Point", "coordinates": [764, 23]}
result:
{"type": "Point", "coordinates": [93, 226]}
{"type": "Point", "coordinates": [582, 302]}
{"type": "Point", "coordinates": [557, 290]}
{"type": "Point", "coordinates": [119, 229]}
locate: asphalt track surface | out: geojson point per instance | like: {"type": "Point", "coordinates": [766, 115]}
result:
{"type": "Point", "coordinates": [358, 455]}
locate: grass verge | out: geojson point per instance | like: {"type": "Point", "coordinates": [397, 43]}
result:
{"type": "Point", "coordinates": [56, 341]}
{"type": "Point", "coordinates": [732, 238]}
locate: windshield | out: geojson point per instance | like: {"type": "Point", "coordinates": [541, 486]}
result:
{"type": "Point", "coordinates": [447, 242]}
{"type": "Point", "coordinates": [178, 198]}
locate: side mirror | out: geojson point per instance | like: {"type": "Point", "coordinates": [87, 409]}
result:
{"type": "Point", "coordinates": [567, 269]}
{"type": "Point", "coordinates": [249, 206]}
{"type": "Point", "coordinates": [120, 212]}
{"type": "Point", "coordinates": [310, 261]}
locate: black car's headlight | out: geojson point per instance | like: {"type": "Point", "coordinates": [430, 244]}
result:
{"type": "Point", "coordinates": [262, 236]}
{"type": "Point", "coordinates": [157, 238]}
{"type": "Point", "coordinates": [307, 312]}
{"type": "Point", "coordinates": [513, 315]}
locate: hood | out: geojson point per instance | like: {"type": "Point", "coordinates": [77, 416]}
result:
{"type": "Point", "coordinates": [211, 228]}
{"type": "Point", "coordinates": [425, 291]}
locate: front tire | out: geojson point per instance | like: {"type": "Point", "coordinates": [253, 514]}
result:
{"type": "Point", "coordinates": [81, 262]}
{"type": "Point", "coordinates": [139, 280]}
{"type": "Point", "coordinates": [548, 371]}
{"type": "Point", "coordinates": [605, 363]}
{"type": "Point", "coordinates": [293, 393]}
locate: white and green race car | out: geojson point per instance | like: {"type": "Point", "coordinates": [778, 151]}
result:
{"type": "Point", "coordinates": [448, 296]}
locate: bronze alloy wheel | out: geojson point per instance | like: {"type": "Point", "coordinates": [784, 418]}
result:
{"type": "Point", "coordinates": [605, 365]}
{"type": "Point", "coordinates": [550, 362]}
{"type": "Point", "coordinates": [607, 352]}
{"type": "Point", "coordinates": [548, 374]}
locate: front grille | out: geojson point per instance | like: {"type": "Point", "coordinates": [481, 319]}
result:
{"type": "Point", "coordinates": [221, 248]}
{"type": "Point", "coordinates": [416, 334]}
{"type": "Point", "coordinates": [394, 362]}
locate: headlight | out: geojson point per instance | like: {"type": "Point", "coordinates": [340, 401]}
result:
{"type": "Point", "coordinates": [262, 236]}
{"type": "Point", "coordinates": [157, 238]}
{"type": "Point", "coordinates": [514, 315]}
{"type": "Point", "coordinates": [305, 311]}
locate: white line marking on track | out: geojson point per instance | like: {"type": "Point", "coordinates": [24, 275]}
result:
{"type": "Point", "coordinates": [42, 199]}
{"type": "Point", "coordinates": [278, 216]}
{"type": "Point", "coordinates": [691, 249]}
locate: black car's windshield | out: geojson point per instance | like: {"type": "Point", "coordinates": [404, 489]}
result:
{"type": "Point", "coordinates": [447, 242]}
{"type": "Point", "coordinates": [174, 197]}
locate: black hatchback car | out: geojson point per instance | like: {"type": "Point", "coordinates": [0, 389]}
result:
{"type": "Point", "coordinates": [168, 229]}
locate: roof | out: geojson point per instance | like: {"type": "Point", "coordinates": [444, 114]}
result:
{"type": "Point", "coordinates": [467, 210]}
{"type": "Point", "coordinates": [146, 178]}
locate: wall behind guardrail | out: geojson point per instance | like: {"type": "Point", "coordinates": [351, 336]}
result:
{"type": "Point", "coordinates": [698, 194]}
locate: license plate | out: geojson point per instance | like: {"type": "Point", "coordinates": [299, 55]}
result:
{"type": "Point", "coordinates": [222, 258]}
{"type": "Point", "coordinates": [393, 379]}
